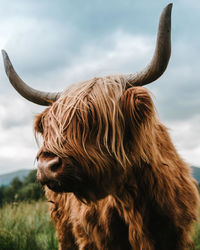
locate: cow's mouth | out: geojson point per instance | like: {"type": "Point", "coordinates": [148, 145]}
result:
{"type": "Point", "coordinates": [54, 186]}
{"type": "Point", "coordinates": [64, 182]}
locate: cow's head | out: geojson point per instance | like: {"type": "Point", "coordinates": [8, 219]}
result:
{"type": "Point", "coordinates": [91, 131]}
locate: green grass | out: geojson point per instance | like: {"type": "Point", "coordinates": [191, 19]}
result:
{"type": "Point", "coordinates": [197, 237]}
{"type": "Point", "coordinates": [26, 226]}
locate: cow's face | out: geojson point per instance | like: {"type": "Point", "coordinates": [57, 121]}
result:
{"type": "Point", "coordinates": [82, 132]}
{"type": "Point", "coordinates": [87, 137]}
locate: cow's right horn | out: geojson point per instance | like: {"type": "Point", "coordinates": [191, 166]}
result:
{"type": "Point", "coordinates": [33, 95]}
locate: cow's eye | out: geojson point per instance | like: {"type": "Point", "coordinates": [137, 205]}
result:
{"type": "Point", "coordinates": [38, 125]}
{"type": "Point", "coordinates": [47, 154]}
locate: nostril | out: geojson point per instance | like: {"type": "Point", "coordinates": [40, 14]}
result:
{"type": "Point", "coordinates": [55, 164]}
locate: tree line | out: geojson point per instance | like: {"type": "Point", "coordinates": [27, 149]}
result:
{"type": "Point", "coordinates": [21, 190]}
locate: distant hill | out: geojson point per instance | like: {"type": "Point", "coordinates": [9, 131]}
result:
{"type": "Point", "coordinates": [196, 173]}
{"type": "Point", "coordinates": [5, 179]}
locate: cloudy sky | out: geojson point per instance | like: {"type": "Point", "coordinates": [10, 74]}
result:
{"type": "Point", "coordinates": [53, 44]}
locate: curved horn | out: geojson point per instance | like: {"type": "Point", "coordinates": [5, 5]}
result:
{"type": "Point", "coordinates": [33, 95]}
{"type": "Point", "coordinates": [161, 56]}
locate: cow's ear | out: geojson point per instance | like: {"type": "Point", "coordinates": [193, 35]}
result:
{"type": "Point", "coordinates": [38, 126]}
{"type": "Point", "coordinates": [137, 106]}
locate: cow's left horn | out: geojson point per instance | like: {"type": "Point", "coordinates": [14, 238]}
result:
{"type": "Point", "coordinates": [161, 55]}
{"type": "Point", "coordinates": [33, 95]}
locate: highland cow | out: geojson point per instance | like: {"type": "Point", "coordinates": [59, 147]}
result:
{"type": "Point", "coordinates": [112, 176]}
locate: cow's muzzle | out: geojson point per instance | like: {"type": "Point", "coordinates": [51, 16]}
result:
{"type": "Point", "coordinates": [49, 167]}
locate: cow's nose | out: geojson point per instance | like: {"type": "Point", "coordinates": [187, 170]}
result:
{"type": "Point", "coordinates": [50, 164]}
{"type": "Point", "coordinates": [48, 168]}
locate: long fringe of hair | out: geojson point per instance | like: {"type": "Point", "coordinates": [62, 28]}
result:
{"type": "Point", "coordinates": [89, 111]}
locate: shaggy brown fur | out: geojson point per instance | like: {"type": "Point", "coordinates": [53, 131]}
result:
{"type": "Point", "coordinates": [122, 185]}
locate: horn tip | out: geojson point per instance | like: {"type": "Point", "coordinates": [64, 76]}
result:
{"type": "Point", "coordinates": [5, 57]}
{"type": "Point", "coordinates": [169, 7]}
{"type": "Point", "coordinates": [6, 60]}
{"type": "Point", "coordinates": [165, 17]}
{"type": "Point", "coordinates": [4, 53]}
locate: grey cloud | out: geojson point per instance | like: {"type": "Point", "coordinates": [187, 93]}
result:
{"type": "Point", "coordinates": [178, 90]}
{"type": "Point", "coordinates": [38, 47]}
{"type": "Point", "coordinates": [13, 113]}
{"type": "Point", "coordinates": [11, 165]}
{"type": "Point", "coordinates": [48, 35]}
{"type": "Point", "coordinates": [186, 137]}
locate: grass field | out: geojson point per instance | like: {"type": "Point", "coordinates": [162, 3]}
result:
{"type": "Point", "coordinates": [26, 226]}
{"type": "Point", "coordinates": [197, 237]}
